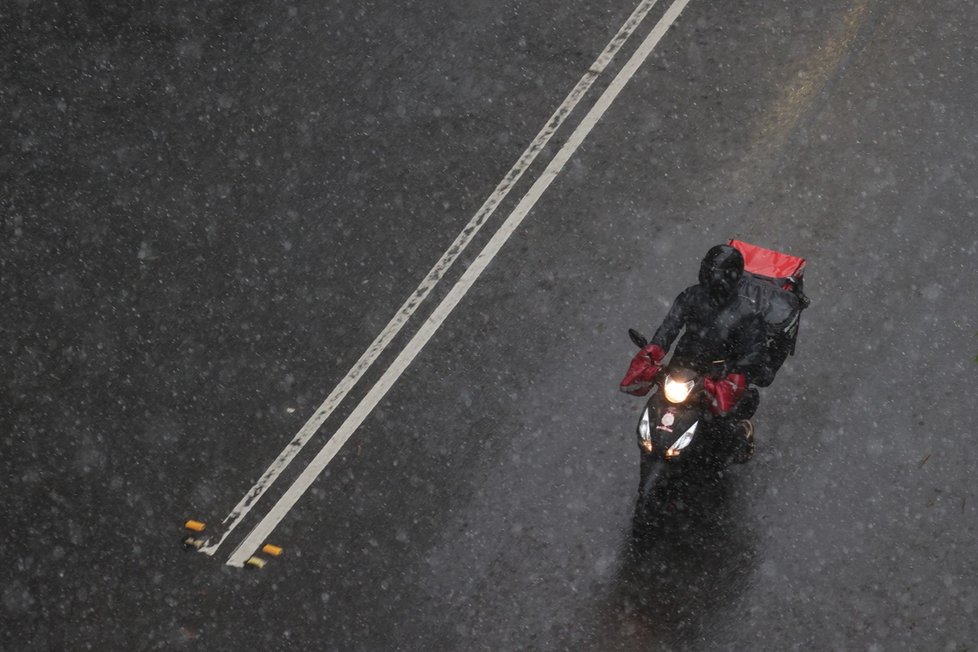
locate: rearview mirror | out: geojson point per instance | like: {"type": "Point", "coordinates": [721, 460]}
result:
{"type": "Point", "coordinates": [638, 338]}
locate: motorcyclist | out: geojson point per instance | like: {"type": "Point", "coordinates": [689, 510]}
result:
{"type": "Point", "coordinates": [724, 338]}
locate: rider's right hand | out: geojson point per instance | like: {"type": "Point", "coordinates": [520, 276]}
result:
{"type": "Point", "coordinates": [655, 352]}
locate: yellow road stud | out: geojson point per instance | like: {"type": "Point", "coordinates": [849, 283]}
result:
{"type": "Point", "coordinates": [255, 562]}
{"type": "Point", "coordinates": [269, 549]}
{"type": "Point", "coordinates": [196, 526]}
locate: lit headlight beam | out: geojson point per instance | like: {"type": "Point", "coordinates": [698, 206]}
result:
{"type": "Point", "coordinates": [676, 391]}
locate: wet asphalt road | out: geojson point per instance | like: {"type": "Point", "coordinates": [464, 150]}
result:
{"type": "Point", "coordinates": [209, 213]}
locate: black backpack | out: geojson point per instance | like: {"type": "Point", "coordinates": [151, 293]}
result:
{"type": "Point", "coordinates": [773, 281]}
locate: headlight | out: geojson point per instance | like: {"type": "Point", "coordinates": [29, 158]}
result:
{"type": "Point", "coordinates": [645, 432]}
{"type": "Point", "coordinates": [682, 442]}
{"type": "Point", "coordinates": [644, 429]}
{"type": "Point", "coordinates": [677, 391]}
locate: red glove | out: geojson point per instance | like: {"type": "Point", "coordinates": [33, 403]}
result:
{"type": "Point", "coordinates": [725, 392]}
{"type": "Point", "coordinates": [642, 370]}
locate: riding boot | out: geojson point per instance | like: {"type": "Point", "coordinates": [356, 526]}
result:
{"type": "Point", "coordinates": [744, 430]}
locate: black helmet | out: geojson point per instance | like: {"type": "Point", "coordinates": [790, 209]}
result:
{"type": "Point", "coordinates": [721, 270]}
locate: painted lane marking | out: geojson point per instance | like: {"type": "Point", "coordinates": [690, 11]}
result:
{"type": "Point", "coordinates": [265, 527]}
{"type": "Point", "coordinates": [380, 343]}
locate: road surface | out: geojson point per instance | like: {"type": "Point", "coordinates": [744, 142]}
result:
{"type": "Point", "coordinates": [211, 211]}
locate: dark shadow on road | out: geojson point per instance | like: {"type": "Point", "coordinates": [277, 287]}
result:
{"type": "Point", "coordinates": [677, 573]}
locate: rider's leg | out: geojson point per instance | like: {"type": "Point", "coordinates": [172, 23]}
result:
{"type": "Point", "coordinates": [747, 405]}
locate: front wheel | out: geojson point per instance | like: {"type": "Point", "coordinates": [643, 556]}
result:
{"type": "Point", "coordinates": [651, 478]}
{"type": "Point", "coordinates": [652, 481]}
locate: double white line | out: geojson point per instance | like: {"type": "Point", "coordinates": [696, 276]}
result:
{"type": "Point", "coordinates": [260, 532]}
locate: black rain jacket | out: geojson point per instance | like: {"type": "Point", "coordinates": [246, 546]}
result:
{"type": "Point", "coordinates": [733, 331]}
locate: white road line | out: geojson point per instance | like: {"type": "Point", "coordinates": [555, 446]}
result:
{"type": "Point", "coordinates": [385, 337]}
{"type": "Point", "coordinates": [260, 533]}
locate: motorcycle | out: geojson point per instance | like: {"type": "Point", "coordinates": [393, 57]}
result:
{"type": "Point", "coordinates": [680, 440]}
